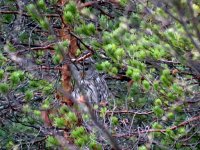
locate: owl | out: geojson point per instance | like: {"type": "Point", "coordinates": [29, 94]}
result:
{"type": "Point", "coordinates": [93, 84]}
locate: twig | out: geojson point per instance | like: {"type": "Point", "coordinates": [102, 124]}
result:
{"type": "Point", "coordinates": [159, 130]}
{"type": "Point", "coordinates": [25, 14]}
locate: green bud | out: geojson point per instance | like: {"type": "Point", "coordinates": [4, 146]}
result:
{"type": "Point", "coordinates": [106, 65]}
{"type": "Point", "coordinates": [177, 89]}
{"type": "Point", "coordinates": [44, 23]}
{"type": "Point", "coordinates": [56, 59]}
{"type": "Point", "coordinates": [80, 142]}
{"type": "Point", "coordinates": [59, 122]}
{"type": "Point", "coordinates": [37, 112]}
{"type": "Point", "coordinates": [99, 67]}
{"type": "Point", "coordinates": [146, 84]}
{"type": "Point", "coordinates": [181, 130]}
{"type": "Point", "coordinates": [4, 87]}
{"type": "Point", "coordinates": [28, 95]}
{"type": "Point", "coordinates": [129, 72]}
{"type": "Point", "coordinates": [33, 84]}
{"type": "Point", "coordinates": [158, 111]}
{"type": "Point", "coordinates": [165, 81]}
{"type": "Point", "coordinates": [119, 53]}
{"type": "Point", "coordinates": [114, 120]}
{"type": "Point", "coordinates": [156, 125]}
{"type": "Point", "coordinates": [64, 109]}
{"type": "Point", "coordinates": [114, 70]}
{"type": "Point", "coordinates": [136, 75]}
{"type": "Point", "coordinates": [52, 141]}
{"type": "Point", "coordinates": [77, 132]}
{"type": "Point", "coordinates": [68, 17]}
{"type": "Point", "coordinates": [2, 60]}
{"type": "Point", "coordinates": [41, 4]}
{"type": "Point", "coordinates": [91, 28]}
{"type": "Point", "coordinates": [156, 85]}
{"type": "Point", "coordinates": [31, 7]}
{"type": "Point", "coordinates": [1, 74]}
{"type": "Point", "coordinates": [71, 117]}
{"type": "Point", "coordinates": [94, 146]}
{"type": "Point", "coordinates": [48, 89]}
{"type": "Point", "coordinates": [158, 102]}
{"type": "Point", "coordinates": [32, 10]}
{"type": "Point", "coordinates": [26, 108]}
{"type": "Point", "coordinates": [71, 7]}
{"type": "Point", "coordinates": [45, 106]}
{"type": "Point", "coordinates": [169, 132]}
{"type": "Point", "coordinates": [170, 115]}
{"type": "Point", "coordinates": [142, 148]}
{"type": "Point", "coordinates": [166, 72]}
{"type": "Point", "coordinates": [14, 78]}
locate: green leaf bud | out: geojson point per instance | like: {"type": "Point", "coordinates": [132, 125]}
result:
{"type": "Point", "coordinates": [71, 117]}
{"type": "Point", "coordinates": [99, 67]}
{"type": "Point", "coordinates": [32, 10]}
{"type": "Point", "coordinates": [129, 72]}
{"type": "Point", "coordinates": [156, 85]}
{"type": "Point", "coordinates": [1, 74]}
{"type": "Point", "coordinates": [114, 120]}
{"type": "Point", "coordinates": [71, 7]}
{"type": "Point", "coordinates": [181, 130]}
{"type": "Point", "coordinates": [142, 148]}
{"type": "Point", "coordinates": [158, 111]}
{"type": "Point", "coordinates": [41, 4]}
{"type": "Point", "coordinates": [156, 125]}
{"type": "Point", "coordinates": [94, 146]}
{"type": "Point", "coordinates": [33, 84]}
{"type": "Point", "coordinates": [4, 87]}
{"type": "Point", "coordinates": [28, 95]}
{"type": "Point", "coordinates": [44, 23]}
{"type": "Point", "coordinates": [146, 85]}
{"type": "Point", "coordinates": [165, 81]}
{"type": "Point", "coordinates": [166, 72]}
{"type": "Point", "coordinates": [106, 65]}
{"type": "Point", "coordinates": [158, 102]}
{"type": "Point", "coordinates": [77, 132]}
{"type": "Point", "coordinates": [48, 89]}
{"type": "Point", "coordinates": [119, 53]}
{"type": "Point", "coordinates": [169, 132]}
{"type": "Point", "coordinates": [37, 112]}
{"type": "Point", "coordinates": [68, 17]}
{"type": "Point", "coordinates": [26, 108]}
{"type": "Point", "coordinates": [136, 75]}
{"type": "Point", "coordinates": [80, 142]}
{"type": "Point", "coordinates": [2, 60]}
{"type": "Point", "coordinates": [56, 59]}
{"type": "Point", "coordinates": [91, 28]}
{"type": "Point", "coordinates": [114, 70]}
{"type": "Point", "coordinates": [45, 106]}
{"type": "Point", "coordinates": [52, 141]}
{"type": "Point", "coordinates": [170, 115]}
{"type": "Point", "coordinates": [59, 122]}
{"type": "Point", "coordinates": [15, 78]}
{"type": "Point", "coordinates": [64, 109]}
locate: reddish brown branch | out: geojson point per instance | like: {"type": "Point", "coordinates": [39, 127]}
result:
{"type": "Point", "coordinates": [47, 47]}
{"type": "Point", "coordinates": [91, 3]}
{"type": "Point", "coordinates": [25, 14]}
{"type": "Point", "coordinates": [80, 59]}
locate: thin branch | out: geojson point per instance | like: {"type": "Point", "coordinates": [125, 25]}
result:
{"type": "Point", "coordinates": [25, 14]}
{"type": "Point", "coordinates": [159, 130]}
{"type": "Point", "coordinates": [128, 112]}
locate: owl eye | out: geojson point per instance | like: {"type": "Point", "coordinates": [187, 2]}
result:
{"type": "Point", "coordinates": [86, 69]}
